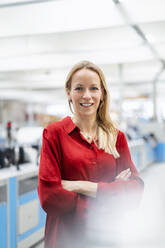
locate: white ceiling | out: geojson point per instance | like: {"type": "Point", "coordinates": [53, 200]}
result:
{"type": "Point", "coordinates": [39, 42]}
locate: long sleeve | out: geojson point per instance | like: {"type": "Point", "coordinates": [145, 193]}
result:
{"type": "Point", "coordinates": [54, 199]}
{"type": "Point", "coordinates": [130, 190]}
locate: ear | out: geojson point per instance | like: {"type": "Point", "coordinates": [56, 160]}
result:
{"type": "Point", "coordinates": [69, 96]}
{"type": "Point", "coordinates": [102, 95]}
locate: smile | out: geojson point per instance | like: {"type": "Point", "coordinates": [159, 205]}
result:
{"type": "Point", "coordinates": [86, 104]}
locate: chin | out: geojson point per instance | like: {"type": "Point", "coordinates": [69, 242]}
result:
{"type": "Point", "coordinates": [88, 114]}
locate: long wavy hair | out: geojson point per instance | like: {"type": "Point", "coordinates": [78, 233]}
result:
{"type": "Point", "coordinates": [107, 132]}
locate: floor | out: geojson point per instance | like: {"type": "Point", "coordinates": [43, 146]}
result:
{"type": "Point", "coordinates": [40, 245]}
{"type": "Point", "coordinates": [146, 228]}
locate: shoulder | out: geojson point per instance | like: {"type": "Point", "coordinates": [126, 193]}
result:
{"type": "Point", "coordinates": [55, 128]}
{"type": "Point", "coordinates": [120, 134]}
{"type": "Point", "coordinates": [121, 138]}
{"type": "Point", "coordinates": [57, 124]}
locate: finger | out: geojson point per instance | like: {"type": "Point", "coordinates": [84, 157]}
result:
{"type": "Point", "coordinates": [64, 184]}
{"type": "Point", "coordinates": [123, 173]}
{"type": "Point", "coordinates": [126, 177]}
{"type": "Point", "coordinates": [128, 173]}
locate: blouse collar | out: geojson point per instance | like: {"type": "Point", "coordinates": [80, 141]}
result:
{"type": "Point", "coordinates": [68, 124]}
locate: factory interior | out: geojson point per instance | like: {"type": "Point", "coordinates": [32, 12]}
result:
{"type": "Point", "coordinates": [40, 40]}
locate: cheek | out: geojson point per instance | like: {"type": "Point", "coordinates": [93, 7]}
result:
{"type": "Point", "coordinates": [75, 98]}
{"type": "Point", "coordinates": [98, 97]}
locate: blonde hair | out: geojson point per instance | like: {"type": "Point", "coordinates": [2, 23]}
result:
{"type": "Point", "coordinates": [107, 132]}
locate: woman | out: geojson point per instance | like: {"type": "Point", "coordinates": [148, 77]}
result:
{"type": "Point", "coordinates": [84, 160]}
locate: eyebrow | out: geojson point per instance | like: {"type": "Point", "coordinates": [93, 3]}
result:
{"type": "Point", "coordinates": [79, 84]}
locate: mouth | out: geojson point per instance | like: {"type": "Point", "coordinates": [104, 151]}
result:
{"type": "Point", "coordinates": [86, 105]}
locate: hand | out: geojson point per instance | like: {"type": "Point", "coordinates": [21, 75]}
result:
{"type": "Point", "coordinates": [82, 187]}
{"type": "Point", "coordinates": [70, 185]}
{"type": "Point", "coordinates": [124, 175]}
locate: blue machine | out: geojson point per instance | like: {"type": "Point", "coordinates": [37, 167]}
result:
{"type": "Point", "coordinates": [22, 220]}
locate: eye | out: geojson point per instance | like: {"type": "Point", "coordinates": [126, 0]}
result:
{"type": "Point", "coordinates": [94, 88]}
{"type": "Point", "coordinates": [78, 88]}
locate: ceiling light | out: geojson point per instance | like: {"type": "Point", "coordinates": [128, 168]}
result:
{"type": "Point", "coordinates": [10, 3]}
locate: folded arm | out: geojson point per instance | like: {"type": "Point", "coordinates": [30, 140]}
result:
{"type": "Point", "coordinates": [127, 183]}
{"type": "Point", "coordinates": [55, 199]}
{"type": "Point", "coordinates": [90, 188]}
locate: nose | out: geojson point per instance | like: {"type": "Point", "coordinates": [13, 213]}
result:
{"type": "Point", "coordinates": [86, 94]}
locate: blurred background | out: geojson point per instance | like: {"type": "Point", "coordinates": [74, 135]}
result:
{"type": "Point", "coordinates": [40, 40]}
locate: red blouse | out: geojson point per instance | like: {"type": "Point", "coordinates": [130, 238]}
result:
{"type": "Point", "coordinates": [67, 155]}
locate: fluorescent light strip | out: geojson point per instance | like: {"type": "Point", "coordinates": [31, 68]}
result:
{"type": "Point", "coordinates": [5, 4]}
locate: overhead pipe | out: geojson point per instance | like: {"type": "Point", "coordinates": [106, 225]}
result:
{"type": "Point", "coordinates": [138, 30]}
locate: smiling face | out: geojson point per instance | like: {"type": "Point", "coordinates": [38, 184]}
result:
{"type": "Point", "coordinates": [86, 92]}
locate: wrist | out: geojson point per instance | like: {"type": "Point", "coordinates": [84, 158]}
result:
{"type": "Point", "coordinates": [90, 189]}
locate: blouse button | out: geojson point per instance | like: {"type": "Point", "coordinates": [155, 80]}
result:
{"type": "Point", "coordinates": [94, 163]}
{"type": "Point", "coordinates": [91, 147]}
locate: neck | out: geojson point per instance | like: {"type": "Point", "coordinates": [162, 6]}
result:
{"type": "Point", "coordinates": [86, 124]}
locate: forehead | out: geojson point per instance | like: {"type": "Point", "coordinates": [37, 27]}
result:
{"type": "Point", "coordinates": [85, 76]}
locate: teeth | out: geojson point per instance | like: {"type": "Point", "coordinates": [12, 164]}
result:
{"type": "Point", "coordinates": [86, 105]}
